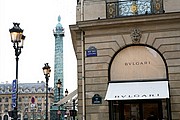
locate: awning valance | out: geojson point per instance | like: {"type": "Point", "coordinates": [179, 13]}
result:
{"type": "Point", "coordinates": [137, 90]}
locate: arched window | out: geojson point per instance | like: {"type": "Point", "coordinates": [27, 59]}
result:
{"type": "Point", "coordinates": [19, 116]}
{"type": "Point", "coordinates": [138, 84]}
{"type": "Point", "coordinates": [26, 116]}
{"type": "Point", "coordinates": [5, 117]}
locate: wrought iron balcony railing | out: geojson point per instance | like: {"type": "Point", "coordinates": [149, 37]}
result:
{"type": "Point", "coordinates": [123, 8]}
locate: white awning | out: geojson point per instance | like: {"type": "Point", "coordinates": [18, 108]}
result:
{"type": "Point", "coordinates": [137, 90]}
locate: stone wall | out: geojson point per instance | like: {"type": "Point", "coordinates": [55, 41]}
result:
{"type": "Point", "coordinates": [161, 32]}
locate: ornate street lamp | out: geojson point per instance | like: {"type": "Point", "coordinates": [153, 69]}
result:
{"type": "Point", "coordinates": [46, 71]}
{"type": "Point", "coordinates": [66, 92]}
{"type": "Point", "coordinates": [59, 85]}
{"type": "Point", "coordinates": [17, 38]}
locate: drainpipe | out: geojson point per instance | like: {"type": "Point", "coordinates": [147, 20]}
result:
{"type": "Point", "coordinates": [83, 62]}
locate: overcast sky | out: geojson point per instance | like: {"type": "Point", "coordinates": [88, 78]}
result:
{"type": "Point", "coordinates": [38, 18]}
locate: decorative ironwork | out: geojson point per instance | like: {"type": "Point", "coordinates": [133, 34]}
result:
{"type": "Point", "coordinates": [136, 36]}
{"type": "Point", "coordinates": [157, 6]}
{"type": "Point", "coordinates": [133, 7]}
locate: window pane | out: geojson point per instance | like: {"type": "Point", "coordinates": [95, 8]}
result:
{"type": "Point", "coordinates": [116, 110]}
{"type": "Point", "coordinates": [131, 112]}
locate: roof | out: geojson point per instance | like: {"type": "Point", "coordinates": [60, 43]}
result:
{"type": "Point", "coordinates": [24, 88]}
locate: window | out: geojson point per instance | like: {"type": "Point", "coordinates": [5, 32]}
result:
{"type": "Point", "coordinates": [0, 108]}
{"type": "Point", "coordinates": [6, 107]}
{"type": "Point", "coordinates": [6, 99]}
{"type": "Point", "coordinates": [39, 90]}
{"type": "Point", "coordinates": [39, 107]}
{"type": "Point", "coordinates": [26, 107]}
{"type": "Point", "coordinates": [136, 110]}
{"type": "Point", "coordinates": [20, 106]}
{"type": "Point", "coordinates": [25, 99]}
{"type": "Point", "coordinates": [33, 90]}
{"type": "Point", "coordinates": [26, 90]}
{"type": "Point", "coordinates": [39, 99]}
{"type": "Point", "coordinates": [20, 99]}
{"type": "Point", "coordinates": [5, 117]}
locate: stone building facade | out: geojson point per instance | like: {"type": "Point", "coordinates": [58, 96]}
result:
{"type": "Point", "coordinates": [128, 59]}
{"type": "Point", "coordinates": [26, 110]}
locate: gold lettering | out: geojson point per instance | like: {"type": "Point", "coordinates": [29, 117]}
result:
{"type": "Point", "coordinates": [137, 63]}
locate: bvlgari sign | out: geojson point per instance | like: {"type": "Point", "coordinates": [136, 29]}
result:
{"type": "Point", "coordinates": [137, 63]}
{"type": "Point", "coordinates": [150, 95]}
{"type": "Point", "coordinates": [137, 90]}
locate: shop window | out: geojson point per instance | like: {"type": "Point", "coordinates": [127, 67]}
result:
{"type": "Point", "coordinates": [139, 66]}
{"type": "Point", "coordinates": [136, 110]}
{"type": "Point", "coordinates": [131, 112]}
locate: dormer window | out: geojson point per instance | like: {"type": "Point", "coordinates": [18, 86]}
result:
{"type": "Point", "coordinates": [26, 90]}
{"type": "Point", "coordinates": [39, 90]}
{"type": "Point", "coordinates": [20, 89]}
{"type": "Point", "coordinates": [33, 90]}
{"type": "Point", "coordinates": [1, 90]}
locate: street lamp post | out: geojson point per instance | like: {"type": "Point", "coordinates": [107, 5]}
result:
{"type": "Point", "coordinates": [74, 109]}
{"type": "Point", "coordinates": [59, 84]}
{"type": "Point", "coordinates": [66, 92]}
{"type": "Point", "coordinates": [46, 71]}
{"type": "Point", "coordinates": [17, 38]}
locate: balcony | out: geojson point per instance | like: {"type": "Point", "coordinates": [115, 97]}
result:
{"type": "Point", "coordinates": [124, 8]}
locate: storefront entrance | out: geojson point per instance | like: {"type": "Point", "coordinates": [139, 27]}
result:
{"type": "Point", "coordinates": [136, 110]}
{"type": "Point", "coordinates": [138, 86]}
